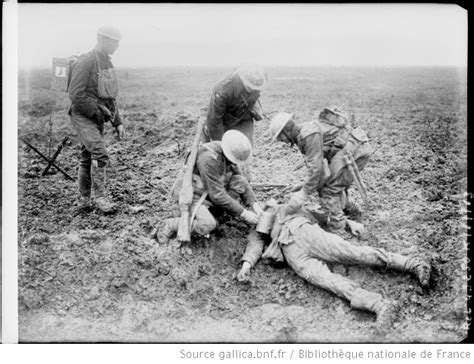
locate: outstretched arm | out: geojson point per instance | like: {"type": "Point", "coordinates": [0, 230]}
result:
{"type": "Point", "coordinates": [252, 254]}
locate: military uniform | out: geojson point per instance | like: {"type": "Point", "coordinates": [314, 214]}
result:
{"type": "Point", "coordinates": [84, 94]}
{"type": "Point", "coordinates": [224, 185]}
{"type": "Point", "coordinates": [324, 144]}
{"type": "Point", "coordinates": [307, 248]}
{"type": "Point", "coordinates": [231, 107]}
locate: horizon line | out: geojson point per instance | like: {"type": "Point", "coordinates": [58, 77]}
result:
{"type": "Point", "coordinates": [269, 66]}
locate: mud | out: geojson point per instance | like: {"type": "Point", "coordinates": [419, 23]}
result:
{"type": "Point", "coordinates": [93, 277]}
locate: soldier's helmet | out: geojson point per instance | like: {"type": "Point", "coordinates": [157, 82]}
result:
{"type": "Point", "coordinates": [236, 147]}
{"type": "Point", "coordinates": [110, 32]}
{"type": "Point", "coordinates": [253, 76]}
{"type": "Point", "coordinates": [277, 124]}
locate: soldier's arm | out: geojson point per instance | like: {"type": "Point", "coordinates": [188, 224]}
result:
{"type": "Point", "coordinates": [314, 160]}
{"type": "Point", "coordinates": [248, 197]}
{"type": "Point", "coordinates": [214, 181]}
{"type": "Point", "coordinates": [215, 115]}
{"type": "Point", "coordinates": [117, 119]}
{"type": "Point", "coordinates": [86, 104]}
{"type": "Point", "coordinates": [254, 248]}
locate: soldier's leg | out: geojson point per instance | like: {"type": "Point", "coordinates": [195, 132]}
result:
{"type": "Point", "coordinates": [91, 136]}
{"type": "Point", "coordinates": [84, 178]}
{"type": "Point", "coordinates": [332, 248]}
{"type": "Point", "coordinates": [317, 273]}
{"type": "Point", "coordinates": [204, 223]}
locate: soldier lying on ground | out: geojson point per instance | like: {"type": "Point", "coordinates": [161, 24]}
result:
{"type": "Point", "coordinates": [217, 175]}
{"type": "Point", "coordinates": [296, 238]}
{"type": "Point", "coordinates": [324, 143]}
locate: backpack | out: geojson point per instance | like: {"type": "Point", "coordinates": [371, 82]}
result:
{"type": "Point", "coordinates": [62, 71]}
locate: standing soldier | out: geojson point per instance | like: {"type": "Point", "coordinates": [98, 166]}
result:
{"type": "Point", "coordinates": [217, 181]}
{"type": "Point", "coordinates": [234, 103]}
{"type": "Point", "coordinates": [93, 90]}
{"type": "Point", "coordinates": [325, 144]}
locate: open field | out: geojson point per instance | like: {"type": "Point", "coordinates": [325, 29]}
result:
{"type": "Point", "coordinates": [101, 278]}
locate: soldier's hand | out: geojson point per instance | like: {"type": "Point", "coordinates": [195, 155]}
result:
{"type": "Point", "coordinates": [244, 274]}
{"type": "Point", "coordinates": [258, 210]}
{"type": "Point", "coordinates": [120, 131]}
{"type": "Point", "coordinates": [250, 217]}
{"type": "Point", "coordinates": [356, 228]}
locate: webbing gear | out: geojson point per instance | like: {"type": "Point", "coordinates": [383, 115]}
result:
{"type": "Point", "coordinates": [196, 207]}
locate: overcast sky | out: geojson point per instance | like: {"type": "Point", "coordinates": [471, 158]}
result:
{"type": "Point", "coordinates": [230, 34]}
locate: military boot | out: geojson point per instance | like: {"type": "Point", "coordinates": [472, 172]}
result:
{"type": "Point", "coordinates": [420, 268]}
{"type": "Point", "coordinates": [386, 311]}
{"type": "Point", "coordinates": [84, 181]}
{"type": "Point", "coordinates": [169, 228]}
{"type": "Point", "coordinates": [99, 185]}
{"type": "Point", "coordinates": [352, 210]}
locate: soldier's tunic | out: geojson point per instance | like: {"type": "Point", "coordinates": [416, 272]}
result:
{"type": "Point", "coordinates": [83, 92]}
{"type": "Point", "coordinates": [225, 186]}
{"type": "Point", "coordinates": [231, 107]}
{"type": "Point", "coordinates": [307, 248]}
{"type": "Point", "coordinates": [324, 146]}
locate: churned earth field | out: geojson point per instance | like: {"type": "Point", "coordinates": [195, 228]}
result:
{"type": "Point", "coordinates": [88, 277]}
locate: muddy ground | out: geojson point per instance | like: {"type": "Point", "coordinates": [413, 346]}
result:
{"type": "Point", "coordinates": [90, 277]}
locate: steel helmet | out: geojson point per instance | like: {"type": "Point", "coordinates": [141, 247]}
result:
{"type": "Point", "coordinates": [278, 123]}
{"type": "Point", "coordinates": [253, 76]}
{"type": "Point", "coordinates": [110, 32]}
{"type": "Point", "coordinates": [236, 147]}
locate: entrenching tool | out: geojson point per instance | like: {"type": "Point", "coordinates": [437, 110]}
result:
{"type": "Point", "coordinates": [354, 170]}
{"type": "Point", "coordinates": [50, 162]}
{"type": "Point", "coordinates": [186, 193]}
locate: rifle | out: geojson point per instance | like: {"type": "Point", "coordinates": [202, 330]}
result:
{"type": "Point", "coordinates": [354, 170]}
{"type": "Point", "coordinates": [268, 185]}
{"type": "Point", "coordinates": [186, 193]}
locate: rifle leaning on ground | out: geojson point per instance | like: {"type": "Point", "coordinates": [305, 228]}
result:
{"type": "Point", "coordinates": [186, 193]}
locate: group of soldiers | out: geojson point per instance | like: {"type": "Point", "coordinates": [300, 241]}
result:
{"type": "Point", "coordinates": [304, 235]}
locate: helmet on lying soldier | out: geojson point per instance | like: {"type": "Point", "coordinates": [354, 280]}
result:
{"type": "Point", "coordinates": [278, 123]}
{"type": "Point", "coordinates": [236, 147]}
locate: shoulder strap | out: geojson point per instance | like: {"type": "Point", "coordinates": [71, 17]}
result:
{"type": "Point", "coordinates": [97, 59]}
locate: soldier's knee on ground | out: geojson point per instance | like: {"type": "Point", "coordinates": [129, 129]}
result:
{"type": "Point", "coordinates": [204, 226]}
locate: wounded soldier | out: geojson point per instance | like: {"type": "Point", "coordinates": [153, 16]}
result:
{"type": "Point", "coordinates": [295, 237]}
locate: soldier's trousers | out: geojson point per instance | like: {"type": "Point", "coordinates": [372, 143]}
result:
{"type": "Point", "coordinates": [313, 247]}
{"type": "Point", "coordinates": [90, 133]}
{"type": "Point", "coordinates": [333, 195]}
